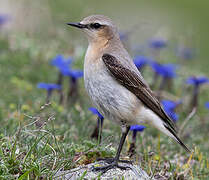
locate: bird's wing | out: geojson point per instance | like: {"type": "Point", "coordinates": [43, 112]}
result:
{"type": "Point", "coordinates": [133, 83]}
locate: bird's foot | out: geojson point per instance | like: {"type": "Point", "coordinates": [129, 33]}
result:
{"type": "Point", "coordinates": [110, 160]}
{"type": "Point", "coordinates": [113, 164]}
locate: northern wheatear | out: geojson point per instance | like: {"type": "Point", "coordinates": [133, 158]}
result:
{"type": "Point", "coordinates": [115, 85]}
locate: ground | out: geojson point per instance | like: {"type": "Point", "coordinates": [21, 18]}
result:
{"type": "Point", "coordinates": [38, 139]}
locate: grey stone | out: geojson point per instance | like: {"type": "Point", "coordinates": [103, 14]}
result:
{"type": "Point", "coordinates": [133, 173]}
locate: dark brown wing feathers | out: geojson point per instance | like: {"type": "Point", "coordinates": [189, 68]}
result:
{"type": "Point", "coordinates": [133, 83]}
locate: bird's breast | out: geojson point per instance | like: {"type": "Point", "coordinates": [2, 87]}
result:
{"type": "Point", "coordinates": [113, 100]}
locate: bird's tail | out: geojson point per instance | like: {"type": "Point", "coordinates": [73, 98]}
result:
{"type": "Point", "coordinates": [148, 116]}
{"type": "Point", "coordinates": [176, 138]}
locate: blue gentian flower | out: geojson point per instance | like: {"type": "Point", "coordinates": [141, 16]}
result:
{"type": "Point", "coordinates": [197, 80]}
{"type": "Point", "coordinates": [164, 70]}
{"type": "Point", "coordinates": [174, 116]}
{"type": "Point", "coordinates": [185, 53]}
{"type": "Point", "coordinates": [207, 105]}
{"type": "Point", "coordinates": [141, 61]}
{"type": "Point", "coordinates": [170, 104]}
{"type": "Point", "coordinates": [169, 107]}
{"type": "Point", "coordinates": [169, 70]}
{"type": "Point", "coordinates": [96, 112]}
{"type": "Point", "coordinates": [158, 43]}
{"type": "Point", "coordinates": [60, 62]}
{"type": "Point", "coordinates": [48, 86]}
{"type": "Point", "coordinates": [137, 128]}
{"type": "Point", "coordinates": [73, 73]}
{"type": "Point", "coordinates": [100, 120]}
{"type": "Point", "coordinates": [3, 19]}
{"type": "Point", "coordinates": [157, 67]}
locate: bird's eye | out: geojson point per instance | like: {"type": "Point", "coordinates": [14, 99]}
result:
{"type": "Point", "coordinates": [95, 25]}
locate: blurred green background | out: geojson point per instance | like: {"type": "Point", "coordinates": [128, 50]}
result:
{"type": "Point", "coordinates": [36, 32]}
{"type": "Point", "coordinates": [185, 20]}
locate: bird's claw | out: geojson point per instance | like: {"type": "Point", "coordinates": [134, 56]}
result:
{"type": "Point", "coordinates": [112, 165]}
{"type": "Point", "coordinates": [111, 160]}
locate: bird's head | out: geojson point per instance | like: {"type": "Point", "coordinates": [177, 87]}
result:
{"type": "Point", "coordinates": [97, 27]}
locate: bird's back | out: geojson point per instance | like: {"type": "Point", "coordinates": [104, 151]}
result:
{"type": "Point", "coordinates": [117, 50]}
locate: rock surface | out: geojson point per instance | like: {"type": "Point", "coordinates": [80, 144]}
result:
{"type": "Point", "coordinates": [134, 173]}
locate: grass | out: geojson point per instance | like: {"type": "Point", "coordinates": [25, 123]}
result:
{"type": "Point", "coordinates": [37, 139]}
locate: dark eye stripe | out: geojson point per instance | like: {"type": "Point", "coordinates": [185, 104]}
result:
{"type": "Point", "coordinates": [95, 25]}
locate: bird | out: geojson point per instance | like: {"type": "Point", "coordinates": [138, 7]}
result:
{"type": "Point", "coordinates": [115, 85]}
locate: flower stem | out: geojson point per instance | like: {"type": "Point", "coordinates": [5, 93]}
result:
{"type": "Point", "coordinates": [59, 82]}
{"type": "Point", "coordinates": [49, 94]}
{"type": "Point", "coordinates": [73, 89]}
{"type": "Point", "coordinates": [195, 97]}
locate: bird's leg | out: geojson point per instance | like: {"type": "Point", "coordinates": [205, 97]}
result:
{"type": "Point", "coordinates": [112, 163]}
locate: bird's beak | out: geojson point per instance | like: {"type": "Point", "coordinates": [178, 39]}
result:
{"type": "Point", "coordinates": [78, 25]}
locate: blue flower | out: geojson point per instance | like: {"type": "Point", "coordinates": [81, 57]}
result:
{"type": "Point", "coordinates": [169, 107]}
{"type": "Point", "coordinates": [157, 67]}
{"type": "Point", "coordinates": [76, 73]}
{"type": "Point", "coordinates": [60, 62]}
{"type": "Point", "coordinates": [137, 128]}
{"type": "Point", "coordinates": [100, 119]}
{"type": "Point", "coordinates": [3, 19]}
{"type": "Point", "coordinates": [174, 116]}
{"type": "Point", "coordinates": [141, 61]}
{"type": "Point", "coordinates": [207, 105]}
{"type": "Point", "coordinates": [185, 53]}
{"type": "Point", "coordinates": [165, 70]}
{"type": "Point", "coordinates": [170, 70]}
{"type": "Point", "coordinates": [96, 112]}
{"type": "Point", "coordinates": [170, 104]}
{"type": "Point", "coordinates": [73, 73]}
{"type": "Point", "coordinates": [196, 81]}
{"type": "Point", "coordinates": [158, 43]}
{"type": "Point", "coordinates": [49, 86]}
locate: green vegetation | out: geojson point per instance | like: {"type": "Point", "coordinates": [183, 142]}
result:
{"type": "Point", "coordinates": [38, 139]}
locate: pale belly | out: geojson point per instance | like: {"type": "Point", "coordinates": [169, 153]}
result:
{"type": "Point", "coordinates": [113, 100]}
